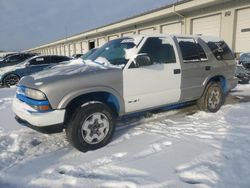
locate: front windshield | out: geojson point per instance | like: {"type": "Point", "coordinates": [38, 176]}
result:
{"type": "Point", "coordinates": [113, 52]}
{"type": "Point", "coordinates": [86, 55]}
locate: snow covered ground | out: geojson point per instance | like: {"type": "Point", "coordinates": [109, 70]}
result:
{"type": "Point", "coordinates": [175, 149]}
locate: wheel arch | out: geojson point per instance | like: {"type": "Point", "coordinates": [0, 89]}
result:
{"type": "Point", "coordinates": [74, 101]}
{"type": "Point", "coordinates": [9, 73]}
{"type": "Point", "coordinates": [217, 78]}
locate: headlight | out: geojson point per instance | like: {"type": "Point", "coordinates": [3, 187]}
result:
{"type": "Point", "coordinates": [34, 94]}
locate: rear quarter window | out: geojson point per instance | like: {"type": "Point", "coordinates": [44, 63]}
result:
{"type": "Point", "coordinates": [191, 50]}
{"type": "Point", "coordinates": [220, 50]}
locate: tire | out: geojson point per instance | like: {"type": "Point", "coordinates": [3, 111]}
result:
{"type": "Point", "coordinates": [10, 80]}
{"type": "Point", "coordinates": [91, 127]}
{"type": "Point", "coordinates": [212, 98]}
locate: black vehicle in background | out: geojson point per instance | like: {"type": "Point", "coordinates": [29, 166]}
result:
{"type": "Point", "coordinates": [14, 59]}
{"type": "Point", "coordinates": [76, 56]}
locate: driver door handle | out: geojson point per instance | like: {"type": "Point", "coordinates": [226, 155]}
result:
{"type": "Point", "coordinates": [177, 71]}
{"type": "Point", "coordinates": [207, 68]}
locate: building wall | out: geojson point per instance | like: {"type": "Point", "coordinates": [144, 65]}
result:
{"type": "Point", "coordinates": [226, 19]}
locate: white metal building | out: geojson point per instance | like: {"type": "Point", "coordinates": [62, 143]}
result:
{"type": "Point", "coordinates": [228, 19]}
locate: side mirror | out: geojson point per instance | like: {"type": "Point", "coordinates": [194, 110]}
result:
{"type": "Point", "coordinates": [143, 60]}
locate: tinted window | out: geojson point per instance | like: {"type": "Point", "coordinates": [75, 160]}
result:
{"type": "Point", "coordinates": [159, 50]}
{"type": "Point", "coordinates": [13, 58]}
{"type": "Point", "coordinates": [24, 57]}
{"type": "Point", "coordinates": [220, 50]}
{"type": "Point", "coordinates": [58, 59]}
{"type": "Point", "coordinates": [191, 50]}
{"type": "Point", "coordinates": [40, 61]}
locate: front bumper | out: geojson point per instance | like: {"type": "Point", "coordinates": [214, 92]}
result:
{"type": "Point", "coordinates": [35, 118]}
{"type": "Point", "coordinates": [47, 130]}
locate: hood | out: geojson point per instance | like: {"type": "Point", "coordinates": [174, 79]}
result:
{"type": "Point", "coordinates": [12, 68]}
{"type": "Point", "coordinates": [69, 72]}
{"type": "Point", "coordinates": [71, 78]}
{"type": "Point", "coordinates": [72, 68]}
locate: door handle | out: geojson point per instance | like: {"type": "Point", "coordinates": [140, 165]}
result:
{"type": "Point", "coordinates": [177, 71]}
{"type": "Point", "coordinates": [207, 68]}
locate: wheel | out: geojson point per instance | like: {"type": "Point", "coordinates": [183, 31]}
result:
{"type": "Point", "coordinates": [10, 80]}
{"type": "Point", "coordinates": [91, 127]}
{"type": "Point", "coordinates": [212, 98]}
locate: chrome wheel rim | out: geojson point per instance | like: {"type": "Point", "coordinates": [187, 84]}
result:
{"type": "Point", "coordinates": [214, 98]}
{"type": "Point", "coordinates": [11, 80]}
{"type": "Point", "coordinates": [95, 128]}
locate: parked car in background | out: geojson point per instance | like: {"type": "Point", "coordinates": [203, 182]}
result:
{"type": "Point", "coordinates": [126, 75]}
{"type": "Point", "coordinates": [75, 56]}
{"type": "Point", "coordinates": [11, 75]}
{"type": "Point", "coordinates": [242, 74]}
{"type": "Point", "coordinates": [243, 68]}
{"type": "Point", "coordinates": [7, 55]}
{"type": "Point", "coordinates": [15, 59]}
{"type": "Point", "coordinates": [244, 60]}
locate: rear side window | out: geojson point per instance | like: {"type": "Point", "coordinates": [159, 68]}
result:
{"type": "Point", "coordinates": [220, 50]}
{"type": "Point", "coordinates": [58, 59]}
{"type": "Point", "coordinates": [191, 50]}
{"type": "Point", "coordinates": [160, 50]}
{"type": "Point", "coordinates": [40, 61]}
{"type": "Point", "coordinates": [14, 58]}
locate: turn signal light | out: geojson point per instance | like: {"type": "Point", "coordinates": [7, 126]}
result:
{"type": "Point", "coordinates": [42, 108]}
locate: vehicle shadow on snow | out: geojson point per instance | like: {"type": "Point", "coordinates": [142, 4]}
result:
{"type": "Point", "coordinates": [235, 150]}
{"type": "Point", "coordinates": [129, 122]}
{"type": "Point", "coordinates": [227, 165]}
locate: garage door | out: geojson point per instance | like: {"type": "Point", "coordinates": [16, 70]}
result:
{"type": "Point", "coordinates": [62, 50]}
{"type": "Point", "coordinates": [242, 43]}
{"type": "Point", "coordinates": [78, 48]}
{"type": "Point", "coordinates": [67, 50]}
{"type": "Point", "coordinates": [146, 31]}
{"type": "Point", "coordinates": [101, 41]}
{"type": "Point", "coordinates": [72, 50]}
{"type": "Point", "coordinates": [209, 25]}
{"type": "Point", "coordinates": [128, 34]}
{"type": "Point", "coordinates": [85, 47]}
{"type": "Point", "coordinates": [53, 51]}
{"type": "Point", "coordinates": [174, 28]}
{"type": "Point", "coordinates": [58, 50]}
{"type": "Point", "coordinates": [113, 37]}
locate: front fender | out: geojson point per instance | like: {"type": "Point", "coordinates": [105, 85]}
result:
{"type": "Point", "coordinates": [70, 96]}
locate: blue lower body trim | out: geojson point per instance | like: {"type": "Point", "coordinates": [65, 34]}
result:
{"type": "Point", "coordinates": [31, 102]}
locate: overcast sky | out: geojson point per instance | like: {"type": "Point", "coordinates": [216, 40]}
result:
{"type": "Point", "coordinates": [29, 23]}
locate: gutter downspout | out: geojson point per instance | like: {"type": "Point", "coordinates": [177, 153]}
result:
{"type": "Point", "coordinates": [180, 15]}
